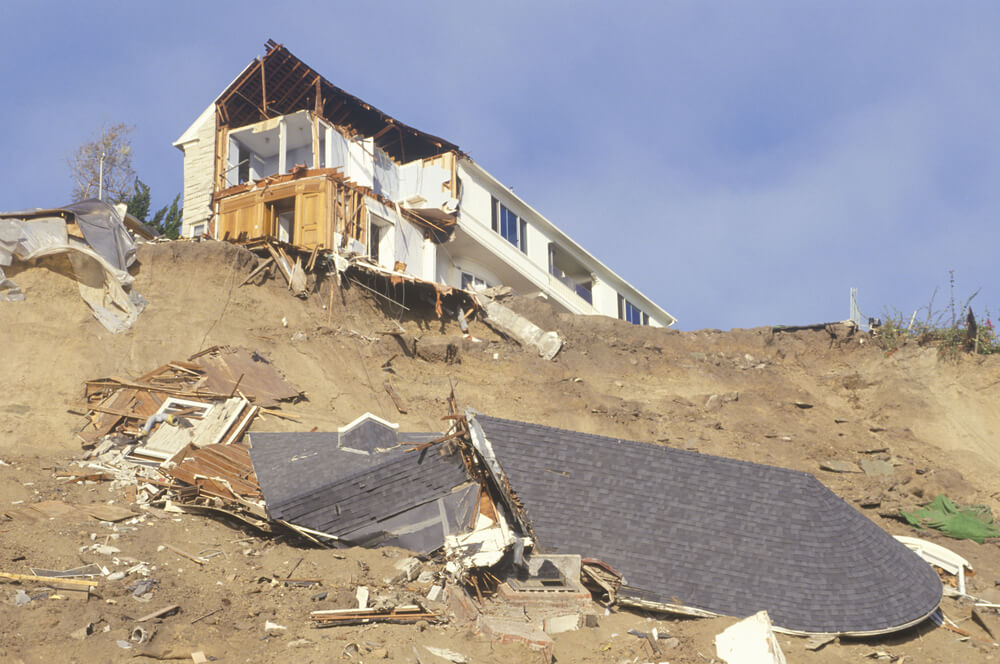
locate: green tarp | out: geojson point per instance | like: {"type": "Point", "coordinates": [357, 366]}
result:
{"type": "Point", "coordinates": [974, 522]}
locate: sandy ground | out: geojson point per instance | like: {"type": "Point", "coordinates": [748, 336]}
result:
{"type": "Point", "coordinates": [738, 394]}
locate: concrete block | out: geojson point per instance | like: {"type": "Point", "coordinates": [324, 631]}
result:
{"type": "Point", "coordinates": [558, 624]}
{"type": "Point", "coordinates": [512, 631]}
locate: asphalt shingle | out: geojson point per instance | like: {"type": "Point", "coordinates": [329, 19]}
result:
{"type": "Point", "coordinates": [309, 480]}
{"type": "Point", "coordinates": [723, 535]}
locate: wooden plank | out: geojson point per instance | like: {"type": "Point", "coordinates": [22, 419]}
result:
{"type": "Point", "coordinates": [160, 613]}
{"type": "Point", "coordinates": [395, 397]}
{"type": "Point", "coordinates": [48, 579]}
{"type": "Point", "coordinates": [257, 271]}
{"type": "Point", "coordinates": [184, 554]}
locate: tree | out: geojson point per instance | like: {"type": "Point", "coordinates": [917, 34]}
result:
{"type": "Point", "coordinates": [110, 152]}
{"type": "Point", "coordinates": [168, 220]}
{"type": "Point", "coordinates": [138, 202]}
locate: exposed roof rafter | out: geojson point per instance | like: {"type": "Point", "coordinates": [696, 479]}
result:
{"type": "Point", "coordinates": [285, 85]}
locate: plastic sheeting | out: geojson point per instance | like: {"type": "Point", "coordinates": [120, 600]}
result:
{"type": "Point", "coordinates": [100, 264]}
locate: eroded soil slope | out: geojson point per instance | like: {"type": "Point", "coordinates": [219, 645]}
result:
{"type": "Point", "coordinates": [793, 399]}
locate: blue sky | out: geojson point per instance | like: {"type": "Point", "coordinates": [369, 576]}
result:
{"type": "Point", "coordinates": [741, 163]}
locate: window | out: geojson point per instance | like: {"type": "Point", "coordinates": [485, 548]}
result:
{"type": "Point", "coordinates": [243, 167]}
{"type": "Point", "coordinates": [198, 230]}
{"type": "Point", "coordinates": [472, 282]}
{"type": "Point", "coordinates": [631, 313]}
{"type": "Point", "coordinates": [507, 224]}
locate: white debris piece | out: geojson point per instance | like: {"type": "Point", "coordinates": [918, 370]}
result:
{"type": "Point", "coordinates": [410, 567]}
{"type": "Point", "coordinates": [939, 556]}
{"type": "Point", "coordinates": [750, 641]}
{"type": "Point", "coordinates": [450, 655]}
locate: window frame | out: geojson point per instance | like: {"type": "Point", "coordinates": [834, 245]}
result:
{"type": "Point", "coordinates": [630, 313]}
{"type": "Point", "coordinates": [509, 226]}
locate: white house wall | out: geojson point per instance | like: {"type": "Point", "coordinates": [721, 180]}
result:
{"type": "Point", "coordinates": [405, 244]}
{"type": "Point", "coordinates": [198, 144]}
{"type": "Point", "coordinates": [475, 220]}
{"type": "Point", "coordinates": [361, 162]}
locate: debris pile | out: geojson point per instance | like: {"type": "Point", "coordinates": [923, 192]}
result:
{"type": "Point", "coordinates": [302, 269]}
{"type": "Point", "coordinates": [175, 433]}
{"type": "Point", "coordinates": [527, 525]}
{"type": "Point", "coordinates": [100, 249]}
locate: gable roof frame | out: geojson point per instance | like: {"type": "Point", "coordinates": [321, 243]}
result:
{"type": "Point", "coordinates": [284, 84]}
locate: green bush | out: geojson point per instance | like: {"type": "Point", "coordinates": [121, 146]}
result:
{"type": "Point", "coordinates": [954, 330]}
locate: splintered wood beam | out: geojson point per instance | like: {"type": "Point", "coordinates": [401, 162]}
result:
{"type": "Point", "coordinates": [402, 147]}
{"type": "Point", "coordinates": [305, 90]}
{"type": "Point", "coordinates": [252, 103]}
{"type": "Point", "coordinates": [328, 114]}
{"type": "Point", "coordinates": [339, 120]}
{"type": "Point", "coordinates": [246, 77]}
{"type": "Point", "coordinates": [389, 125]}
{"type": "Point", "coordinates": [263, 90]}
{"type": "Point", "coordinates": [318, 100]}
{"type": "Point", "coordinates": [283, 102]}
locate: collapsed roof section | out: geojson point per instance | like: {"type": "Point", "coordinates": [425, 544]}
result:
{"type": "Point", "coordinates": [698, 534]}
{"type": "Point", "coordinates": [280, 84]}
{"type": "Point", "coordinates": [361, 486]}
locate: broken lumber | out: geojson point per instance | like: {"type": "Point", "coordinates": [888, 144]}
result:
{"type": "Point", "coordinates": [47, 579]}
{"type": "Point", "coordinates": [398, 615]}
{"type": "Point", "coordinates": [257, 271]}
{"type": "Point", "coordinates": [165, 611]}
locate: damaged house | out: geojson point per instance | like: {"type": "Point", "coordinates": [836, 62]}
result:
{"type": "Point", "coordinates": [284, 153]}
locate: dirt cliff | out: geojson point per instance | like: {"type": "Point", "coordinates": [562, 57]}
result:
{"type": "Point", "coordinates": [796, 399]}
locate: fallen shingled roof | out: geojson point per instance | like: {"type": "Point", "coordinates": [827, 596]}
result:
{"type": "Point", "coordinates": [360, 486]}
{"type": "Point", "coordinates": [724, 536]}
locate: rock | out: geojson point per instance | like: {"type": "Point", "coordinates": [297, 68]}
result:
{"type": "Point", "coordinates": [876, 467]}
{"type": "Point", "coordinates": [802, 404]}
{"type": "Point", "coordinates": [870, 502]}
{"type": "Point", "coordinates": [438, 349]}
{"type": "Point", "coordinates": [836, 466]}
{"type": "Point", "coordinates": [818, 641]}
{"type": "Point", "coordinates": [299, 336]}
{"type": "Point", "coordinates": [670, 642]}
{"type": "Point", "coordinates": [83, 632]}
{"type": "Point", "coordinates": [380, 653]}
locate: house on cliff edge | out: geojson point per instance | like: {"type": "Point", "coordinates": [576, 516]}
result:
{"type": "Point", "coordinates": [282, 152]}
